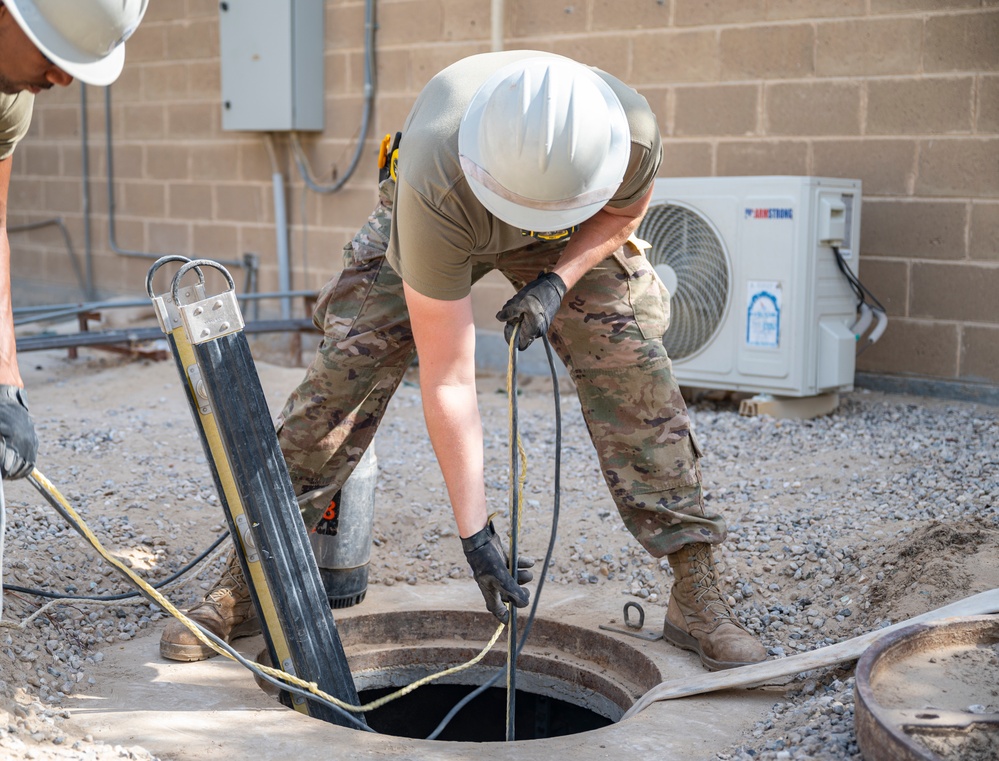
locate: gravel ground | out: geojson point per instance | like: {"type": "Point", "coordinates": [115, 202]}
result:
{"type": "Point", "coordinates": [885, 509]}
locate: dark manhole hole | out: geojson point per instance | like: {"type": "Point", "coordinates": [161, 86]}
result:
{"type": "Point", "coordinates": [483, 720]}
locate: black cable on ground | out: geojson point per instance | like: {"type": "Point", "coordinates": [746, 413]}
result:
{"type": "Point", "coordinates": [232, 652]}
{"type": "Point", "coordinates": [124, 595]}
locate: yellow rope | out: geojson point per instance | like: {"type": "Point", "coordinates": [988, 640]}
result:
{"type": "Point", "coordinates": [164, 603]}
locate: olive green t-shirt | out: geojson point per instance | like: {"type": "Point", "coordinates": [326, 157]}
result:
{"type": "Point", "coordinates": [15, 117]}
{"type": "Point", "coordinates": [438, 225]}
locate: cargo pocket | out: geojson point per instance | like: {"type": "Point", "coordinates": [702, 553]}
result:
{"type": "Point", "coordinates": [646, 292]}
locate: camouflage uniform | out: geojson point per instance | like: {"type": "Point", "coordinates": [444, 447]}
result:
{"type": "Point", "coordinates": [608, 331]}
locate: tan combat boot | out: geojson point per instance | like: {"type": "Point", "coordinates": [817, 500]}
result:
{"type": "Point", "coordinates": [699, 619]}
{"type": "Point", "coordinates": [227, 612]}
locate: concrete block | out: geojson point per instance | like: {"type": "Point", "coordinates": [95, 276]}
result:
{"type": "Point", "coordinates": [914, 346]}
{"type": "Point", "coordinates": [215, 241]}
{"type": "Point", "coordinates": [762, 157]}
{"type": "Point", "coordinates": [57, 122]}
{"type": "Point", "coordinates": [962, 42]}
{"type": "Point", "coordinates": [166, 161]}
{"type": "Point", "coordinates": [190, 200]}
{"type": "Point", "coordinates": [888, 280]}
{"type": "Point", "coordinates": [193, 120]}
{"type": "Point", "coordinates": [676, 57]}
{"type": "Point", "coordinates": [143, 199]}
{"type": "Point", "coordinates": [812, 108]}
{"type": "Point", "coordinates": [984, 238]}
{"type": "Point", "coordinates": [62, 196]}
{"type": "Point", "coordinates": [934, 105]}
{"type": "Point", "coordinates": [868, 47]}
{"type": "Point", "coordinates": [686, 158]}
{"type": "Point", "coordinates": [611, 53]}
{"type": "Point", "coordinates": [980, 354]}
{"type": "Point", "coordinates": [767, 52]}
{"type": "Point", "coordinates": [914, 229]}
{"type": "Point", "coordinates": [714, 12]}
{"type": "Point", "coordinates": [409, 21]}
{"type": "Point", "coordinates": [780, 10]}
{"type": "Point", "coordinates": [954, 291]}
{"type": "Point", "coordinates": [192, 38]}
{"type": "Point", "coordinates": [245, 202]}
{"type": "Point", "coordinates": [716, 110]}
{"type": "Point", "coordinates": [164, 82]}
{"type": "Point", "coordinates": [958, 167]}
{"type": "Point", "coordinates": [169, 237]}
{"type": "Point", "coordinates": [911, 6]}
{"type": "Point", "coordinates": [988, 103]}
{"type": "Point", "coordinates": [886, 167]}
{"type": "Point", "coordinates": [142, 121]}
{"type": "Point", "coordinates": [217, 161]}
{"type": "Point", "coordinates": [569, 18]}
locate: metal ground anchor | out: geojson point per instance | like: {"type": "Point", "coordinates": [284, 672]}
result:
{"type": "Point", "coordinates": [634, 629]}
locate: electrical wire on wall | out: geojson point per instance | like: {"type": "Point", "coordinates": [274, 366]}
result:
{"type": "Point", "coordinates": [301, 160]}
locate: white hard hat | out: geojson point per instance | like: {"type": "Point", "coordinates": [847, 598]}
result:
{"type": "Point", "coordinates": [84, 38]}
{"type": "Point", "coordinates": [544, 143]}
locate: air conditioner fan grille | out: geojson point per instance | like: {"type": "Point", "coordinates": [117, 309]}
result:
{"type": "Point", "coordinates": [687, 244]}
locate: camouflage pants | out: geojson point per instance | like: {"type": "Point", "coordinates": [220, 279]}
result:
{"type": "Point", "coordinates": [608, 332]}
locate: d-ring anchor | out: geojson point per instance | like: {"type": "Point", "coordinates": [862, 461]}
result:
{"type": "Point", "coordinates": [634, 629]}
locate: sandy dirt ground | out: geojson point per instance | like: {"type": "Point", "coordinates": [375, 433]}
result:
{"type": "Point", "coordinates": [117, 439]}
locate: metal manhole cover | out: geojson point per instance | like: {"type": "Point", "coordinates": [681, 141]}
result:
{"type": "Point", "coordinates": [930, 692]}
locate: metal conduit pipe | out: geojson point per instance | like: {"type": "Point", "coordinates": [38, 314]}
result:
{"type": "Point", "coordinates": [25, 315]}
{"type": "Point", "coordinates": [280, 225]}
{"type": "Point", "coordinates": [497, 13]}
{"type": "Point", "coordinates": [88, 249]}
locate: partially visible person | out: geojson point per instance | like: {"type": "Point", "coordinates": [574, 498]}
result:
{"type": "Point", "coordinates": [43, 43]}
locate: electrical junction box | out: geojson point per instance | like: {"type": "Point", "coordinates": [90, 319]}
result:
{"type": "Point", "coordinates": [758, 301]}
{"type": "Point", "coordinates": [272, 64]}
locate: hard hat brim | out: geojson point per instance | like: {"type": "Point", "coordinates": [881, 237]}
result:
{"type": "Point", "coordinates": [528, 218]}
{"type": "Point", "coordinates": [93, 70]}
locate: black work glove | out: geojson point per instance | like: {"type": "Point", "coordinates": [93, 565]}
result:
{"type": "Point", "coordinates": [18, 442]}
{"type": "Point", "coordinates": [534, 307]}
{"type": "Point", "coordinates": [488, 560]}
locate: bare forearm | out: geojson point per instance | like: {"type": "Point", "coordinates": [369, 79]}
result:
{"type": "Point", "coordinates": [9, 372]}
{"type": "Point", "coordinates": [455, 430]}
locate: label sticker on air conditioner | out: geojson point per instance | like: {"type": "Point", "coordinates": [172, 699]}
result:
{"type": "Point", "coordinates": [763, 314]}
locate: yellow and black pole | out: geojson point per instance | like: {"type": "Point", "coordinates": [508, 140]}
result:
{"type": "Point", "coordinates": [237, 433]}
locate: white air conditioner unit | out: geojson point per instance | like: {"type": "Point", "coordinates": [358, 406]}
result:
{"type": "Point", "coordinates": [758, 302]}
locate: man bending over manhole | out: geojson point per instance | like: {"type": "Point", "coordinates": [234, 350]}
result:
{"type": "Point", "coordinates": [526, 163]}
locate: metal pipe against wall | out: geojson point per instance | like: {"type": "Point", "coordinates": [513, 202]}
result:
{"type": "Point", "coordinates": [497, 13]}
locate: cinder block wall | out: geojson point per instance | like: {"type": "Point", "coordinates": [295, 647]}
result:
{"type": "Point", "coordinates": [902, 94]}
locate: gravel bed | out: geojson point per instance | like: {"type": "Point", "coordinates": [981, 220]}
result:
{"type": "Point", "coordinates": [838, 525]}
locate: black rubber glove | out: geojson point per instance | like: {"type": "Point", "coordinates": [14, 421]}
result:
{"type": "Point", "coordinates": [534, 307]}
{"type": "Point", "coordinates": [488, 560]}
{"type": "Point", "coordinates": [18, 442]}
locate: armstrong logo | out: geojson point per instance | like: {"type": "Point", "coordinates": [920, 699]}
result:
{"type": "Point", "coordinates": [769, 214]}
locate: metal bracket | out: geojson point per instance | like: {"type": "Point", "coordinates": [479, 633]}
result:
{"type": "Point", "coordinates": [200, 391]}
{"type": "Point", "coordinates": [634, 629]}
{"type": "Point", "coordinates": [249, 543]}
{"type": "Point", "coordinates": [212, 318]}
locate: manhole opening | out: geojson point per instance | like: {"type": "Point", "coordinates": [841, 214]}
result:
{"type": "Point", "coordinates": [537, 716]}
{"type": "Point", "coordinates": [570, 679]}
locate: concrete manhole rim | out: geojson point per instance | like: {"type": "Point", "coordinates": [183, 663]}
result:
{"type": "Point", "coordinates": [574, 664]}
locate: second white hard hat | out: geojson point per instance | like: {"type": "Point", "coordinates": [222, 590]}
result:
{"type": "Point", "coordinates": [84, 38]}
{"type": "Point", "coordinates": [544, 143]}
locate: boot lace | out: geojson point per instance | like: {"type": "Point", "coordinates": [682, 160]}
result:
{"type": "Point", "coordinates": [705, 587]}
